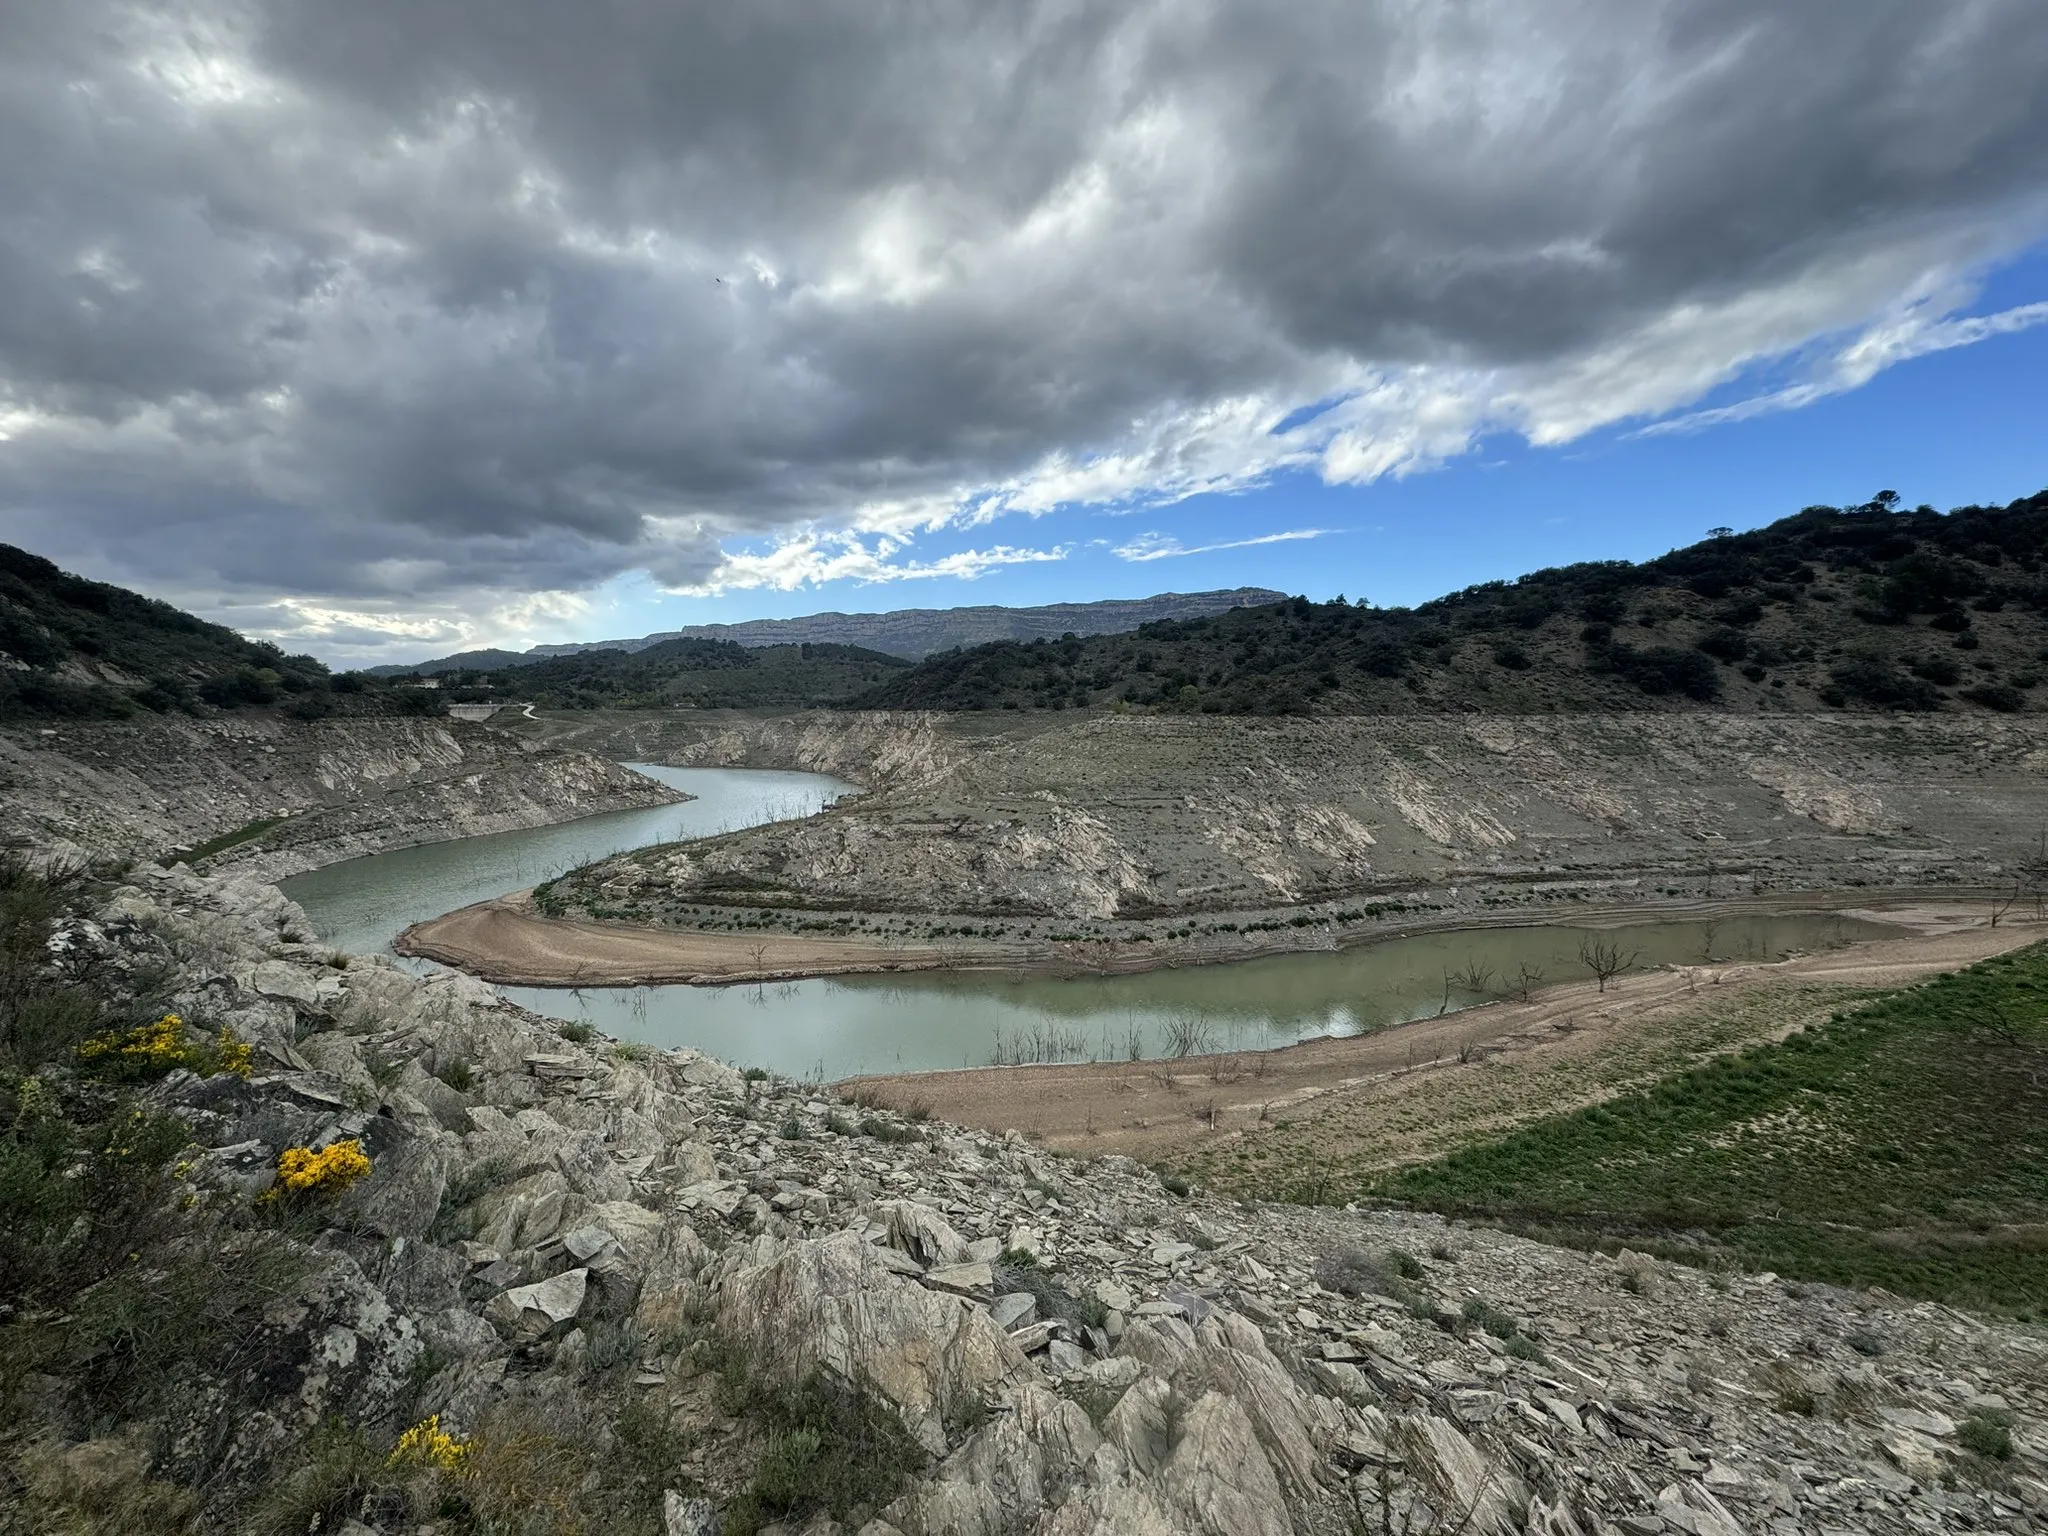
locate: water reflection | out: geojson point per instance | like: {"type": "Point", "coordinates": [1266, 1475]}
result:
{"type": "Point", "coordinates": [835, 1028]}
{"type": "Point", "coordinates": [839, 1027]}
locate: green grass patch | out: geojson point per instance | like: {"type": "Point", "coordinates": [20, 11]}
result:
{"type": "Point", "coordinates": [242, 834]}
{"type": "Point", "coordinates": [1904, 1144]}
{"type": "Point", "coordinates": [826, 1449]}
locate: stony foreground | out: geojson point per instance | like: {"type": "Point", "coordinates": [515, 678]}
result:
{"type": "Point", "coordinates": [1074, 1346]}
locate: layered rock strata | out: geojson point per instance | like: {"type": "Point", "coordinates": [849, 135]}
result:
{"type": "Point", "coordinates": [306, 794]}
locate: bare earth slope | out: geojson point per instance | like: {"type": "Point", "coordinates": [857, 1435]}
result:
{"type": "Point", "coordinates": [1117, 840]}
{"type": "Point", "coordinates": [334, 789]}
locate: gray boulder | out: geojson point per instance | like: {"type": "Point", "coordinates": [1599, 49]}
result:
{"type": "Point", "coordinates": [922, 1232]}
{"type": "Point", "coordinates": [830, 1304]}
{"type": "Point", "coordinates": [524, 1313]}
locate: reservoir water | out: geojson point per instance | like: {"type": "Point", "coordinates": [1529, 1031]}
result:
{"type": "Point", "coordinates": [363, 904]}
{"type": "Point", "coordinates": [837, 1027]}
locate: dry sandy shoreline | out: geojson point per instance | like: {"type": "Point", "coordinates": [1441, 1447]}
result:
{"type": "Point", "coordinates": [507, 942]}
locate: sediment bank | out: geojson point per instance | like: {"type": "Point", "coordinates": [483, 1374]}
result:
{"type": "Point", "coordinates": [509, 942]}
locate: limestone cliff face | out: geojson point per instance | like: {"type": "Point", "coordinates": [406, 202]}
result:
{"type": "Point", "coordinates": [334, 788]}
{"type": "Point", "coordinates": [877, 749]}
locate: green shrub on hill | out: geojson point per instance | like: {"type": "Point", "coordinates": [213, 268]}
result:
{"type": "Point", "coordinates": [699, 674]}
{"type": "Point", "coordinates": [1833, 607]}
{"type": "Point", "coordinates": [86, 650]}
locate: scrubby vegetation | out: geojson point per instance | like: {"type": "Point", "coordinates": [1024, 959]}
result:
{"type": "Point", "coordinates": [824, 1450]}
{"type": "Point", "coordinates": [1904, 1144]}
{"type": "Point", "coordinates": [113, 1282]}
{"type": "Point", "coordinates": [538, 1466]}
{"type": "Point", "coordinates": [1864, 607]}
{"type": "Point", "coordinates": [132, 1299]}
{"type": "Point", "coordinates": [72, 648]}
{"type": "Point", "coordinates": [1868, 607]}
{"type": "Point", "coordinates": [699, 674]}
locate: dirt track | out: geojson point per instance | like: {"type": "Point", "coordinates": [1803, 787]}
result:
{"type": "Point", "coordinates": [1342, 1099]}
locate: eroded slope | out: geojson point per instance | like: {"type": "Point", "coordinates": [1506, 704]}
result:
{"type": "Point", "coordinates": [1119, 823]}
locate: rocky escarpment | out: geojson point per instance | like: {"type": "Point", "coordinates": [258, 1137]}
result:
{"type": "Point", "coordinates": [1151, 819]}
{"type": "Point", "coordinates": [574, 1240]}
{"type": "Point", "coordinates": [307, 794]}
{"type": "Point", "coordinates": [878, 749]}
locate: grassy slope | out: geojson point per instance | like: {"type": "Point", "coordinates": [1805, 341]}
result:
{"type": "Point", "coordinates": [1339, 1147]}
{"type": "Point", "coordinates": [1863, 607]}
{"type": "Point", "coordinates": [1903, 1144]}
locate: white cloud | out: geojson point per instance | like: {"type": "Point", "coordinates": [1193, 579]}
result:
{"type": "Point", "coordinates": [1886, 344]}
{"type": "Point", "coordinates": [1159, 546]}
{"type": "Point", "coordinates": [369, 635]}
{"type": "Point", "coordinates": [812, 559]}
{"type": "Point", "coordinates": [404, 311]}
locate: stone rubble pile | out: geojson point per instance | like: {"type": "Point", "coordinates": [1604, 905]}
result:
{"type": "Point", "coordinates": [1077, 1348]}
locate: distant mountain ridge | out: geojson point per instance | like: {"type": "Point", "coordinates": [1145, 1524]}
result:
{"type": "Point", "coordinates": [912, 633]}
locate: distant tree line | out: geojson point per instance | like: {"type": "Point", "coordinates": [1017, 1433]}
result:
{"type": "Point", "coordinates": [1865, 606]}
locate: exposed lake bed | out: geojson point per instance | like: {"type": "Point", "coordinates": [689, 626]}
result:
{"type": "Point", "coordinates": [923, 1009]}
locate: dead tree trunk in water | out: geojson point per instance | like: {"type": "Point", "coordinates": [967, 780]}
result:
{"type": "Point", "coordinates": [2000, 905]}
{"type": "Point", "coordinates": [1603, 957]}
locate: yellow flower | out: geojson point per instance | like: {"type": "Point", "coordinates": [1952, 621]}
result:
{"type": "Point", "coordinates": [161, 1044]}
{"type": "Point", "coordinates": [428, 1444]}
{"type": "Point", "coordinates": [158, 1047]}
{"type": "Point", "coordinates": [302, 1171]}
{"type": "Point", "coordinates": [236, 1055]}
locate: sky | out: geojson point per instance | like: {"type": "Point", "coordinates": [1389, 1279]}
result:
{"type": "Point", "coordinates": [391, 329]}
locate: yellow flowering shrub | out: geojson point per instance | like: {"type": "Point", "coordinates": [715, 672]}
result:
{"type": "Point", "coordinates": [235, 1056]}
{"type": "Point", "coordinates": [427, 1444]}
{"type": "Point", "coordinates": [151, 1050]}
{"type": "Point", "coordinates": [321, 1175]}
{"type": "Point", "coordinates": [139, 1140]}
{"type": "Point", "coordinates": [154, 1047]}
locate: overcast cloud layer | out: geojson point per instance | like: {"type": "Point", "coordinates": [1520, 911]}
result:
{"type": "Point", "coordinates": [405, 310]}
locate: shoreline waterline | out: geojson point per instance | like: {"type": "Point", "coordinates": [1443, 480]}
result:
{"type": "Point", "coordinates": [507, 942]}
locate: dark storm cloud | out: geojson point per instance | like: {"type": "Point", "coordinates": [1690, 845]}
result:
{"type": "Point", "coordinates": [394, 301]}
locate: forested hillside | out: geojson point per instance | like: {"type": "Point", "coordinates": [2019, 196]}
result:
{"type": "Point", "coordinates": [1865, 607]}
{"type": "Point", "coordinates": [75, 648]}
{"type": "Point", "coordinates": [701, 674]}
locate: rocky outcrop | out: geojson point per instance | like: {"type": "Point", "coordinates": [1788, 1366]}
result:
{"type": "Point", "coordinates": [832, 1304]}
{"type": "Point", "coordinates": [1137, 819]}
{"type": "Point", "coordinates": [1075, 1348]}
{"type": "Point", "coordinates": [309, 794]}
{"type": "Point", "coordinates": [895, 749]}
